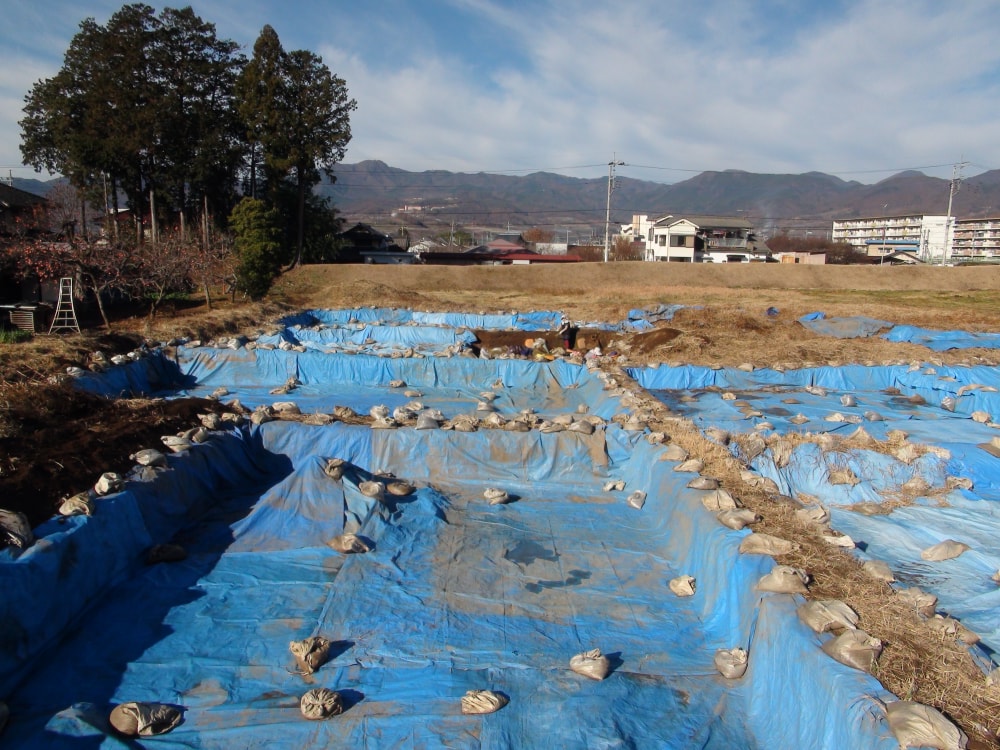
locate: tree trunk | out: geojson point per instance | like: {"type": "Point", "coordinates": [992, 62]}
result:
{"type": "Point", "coordinates": [83, 219]}
{"type": "Point", "coordinates": [301, 218]}
{"type": "Point", "coordinates": [208, 293]}
{"type": "Point", "coordinates": [153, 228]}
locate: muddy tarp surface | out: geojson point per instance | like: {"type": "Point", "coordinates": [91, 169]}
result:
{"type": "Point", "coordinates": [455, 594]}
{"type": "Point", "coordinates": [948, 443]}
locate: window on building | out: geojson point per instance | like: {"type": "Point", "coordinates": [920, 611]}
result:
{"type": "Point", "coordinates": [681, 240]}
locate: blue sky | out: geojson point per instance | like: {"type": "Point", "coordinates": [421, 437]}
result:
{"type": "Point", "coordinates": [857, 88]}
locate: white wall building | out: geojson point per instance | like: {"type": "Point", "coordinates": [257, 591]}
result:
{"type": "Point", "coordinates": [976, 239]}
{"type": "Point", "coordinates": [928, 237]}
{"type": "Point", "coordinates": [695, 239]}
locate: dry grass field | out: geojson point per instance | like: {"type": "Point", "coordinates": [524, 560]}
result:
{"type": "Point", "coordinates": [52, 440]}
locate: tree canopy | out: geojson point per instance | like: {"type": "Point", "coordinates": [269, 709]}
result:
{"type": "Point", "coordinates": [155, 107]}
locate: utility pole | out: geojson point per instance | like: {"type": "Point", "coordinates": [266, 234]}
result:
{"type": "Point", "coordinates": [953, 186]}
{"type": "Point", "coordinates": [607, 218]}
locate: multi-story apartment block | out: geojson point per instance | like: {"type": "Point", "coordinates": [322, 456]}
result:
{"type": "Point", "coordinates": [976, 239]}
{"type": "Point", "coordinates": [927, 237]}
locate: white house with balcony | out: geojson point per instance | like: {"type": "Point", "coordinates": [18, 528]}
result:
{"type": "Point", "coordinates": [696, 239]}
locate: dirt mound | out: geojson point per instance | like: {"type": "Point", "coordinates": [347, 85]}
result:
{"type": "Point", "coordinates": [59, 442]}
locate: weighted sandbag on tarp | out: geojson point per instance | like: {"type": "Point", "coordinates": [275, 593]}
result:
{"type": "Point", "coordinates": [477, 702]}
{"type": "Point", "coordinates": [854, 648]}
{"type": "Point", "coordinates": [823, 615]}
{"type": "Point", "coordinates": [310, 653]}
{"type": "Point", "coordinates": [144, 719]}
{"type": "Point", "coordinates": [15, 531]}
{"type": "Point", "coordinates": [731, 663]}
{"type": "Point", "coordinates": [321, 703]}
{"type": "Point", "coordinates": [917, 725]}
{"type": "Point", "coordinates": [592, 664]}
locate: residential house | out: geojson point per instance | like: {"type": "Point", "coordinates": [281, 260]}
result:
{"type": "Point", "coordinates": [697, 239]}
{"type": "Point", "coordinates": [17, 206]}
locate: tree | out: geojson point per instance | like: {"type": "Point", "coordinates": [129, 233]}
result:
{"type": "Point", "coordinates": [537, 234]}
{"type": "Point", "coordinates": [257, 237]}
{"type": "Point", "coordinates": [143, 105]}
{"type": "Point", "coordinates": [298, 113]}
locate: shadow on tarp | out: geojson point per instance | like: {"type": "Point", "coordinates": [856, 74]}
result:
{"type": "Point", "coordinates": [80, 606]}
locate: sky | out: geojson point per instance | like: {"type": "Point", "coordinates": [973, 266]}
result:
{"type": "Point", "coordinates": [861, 89]}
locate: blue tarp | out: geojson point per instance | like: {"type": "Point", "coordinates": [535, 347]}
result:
{"type": "Point", "coordinates": [941, 341]}
{"type": "Point", "coordinates": [964, 585]}
{"type": "Point", "coordinates": [852, 327]}
{"type": "Point", "coordinates": [455, 595]}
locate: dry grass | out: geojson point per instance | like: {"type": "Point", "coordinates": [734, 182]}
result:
{"type": "Point", "coordinates": [917, 662]}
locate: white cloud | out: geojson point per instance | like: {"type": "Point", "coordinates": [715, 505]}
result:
{"type": "Point", "coordinates": [770, 86]}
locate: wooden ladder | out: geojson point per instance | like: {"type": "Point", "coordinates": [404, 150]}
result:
{"type": "Point", "coordinates": [65, 317]}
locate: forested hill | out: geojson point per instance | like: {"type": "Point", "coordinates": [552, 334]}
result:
{"type": "Point", "coordinates": [373, 188]}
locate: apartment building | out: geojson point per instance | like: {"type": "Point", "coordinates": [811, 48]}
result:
{"type": "Point", "coordinates": [925, 236]}
{"type": "Point", "coordinates": [976, 239]}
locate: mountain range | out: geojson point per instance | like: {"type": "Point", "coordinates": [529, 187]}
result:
{"type": "Point", "coordinates": [374, 192]}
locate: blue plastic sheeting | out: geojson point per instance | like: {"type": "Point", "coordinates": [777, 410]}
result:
{"type": "Point", "coordinates": [964, 585]}
{"type": "Point", "coordinates": [455, 595]}
{"type": "Point", "coordinates": [854, 327]}
{"type": "Point", "coordinates": [654, 313]}
{"type": "Point", "coordinates": [373, 339]}
{"type": "Point", "coordinates": [941, 341]}
{"type": "Point", "coordinates": [543, 320]}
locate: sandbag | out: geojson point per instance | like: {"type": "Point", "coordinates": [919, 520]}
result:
{"type": "Point", "coordinates": [693, 465]}
{"type": "Point", "coordinates": [916, 725]}
{"type": "Point", "coordinates": [737, 518]}
{"type": "Point", "coordinates": [149, 457]}
{"type": "Point", "coordinates": [311, 653]}
{"type": "Point", "coordinates": [134, 719]}
{"type": "Point", "coordinates": [854, 648]}
{"type": "Point", "coordinates": [945, 550]}
{"type": "Point", "coordinates": [815, 514]}
{"type": "Point", "coordinates": [614, 485]}
{"type": "Point", "coordinates": [15, 531]}
{"type": "Point", "coordinates": [718, 500]}
{"type": "Point", "coordinates": [731, 662]}
{"type": "Point", "coordinates": [636, 500]}
{"type": "Point", "coordinates": [923, 602]}
{"type": "Point", "coordinates": [592, 664]}
{"type": "Point", "coordinates": [321, 703]}
{"type": "Point", "coordinates": [80, 504]}
{"type": "Point", "coordinates": [843, 476]}
{"type": "Point", "coordinates": [349, 544]}
{"type": "Point", "coordinates": [704, 483]}
{"type": "Point", "coordinates": [108, 482]}
{"type": "Point", "coordinates": [825, 615]}
{"type": "Point", "coordinates": [784, 579]}
{"type": "Point", "coordinates": [334, 468]}
{"type": "Point", "coordinates": [682, 585]}
{"type": "Point", "coordinates": [476, 702]}
{"type": "Point", "coordinates": [879, 569]}
{"type": "Point", "coordinates": [674, 452]}
{"type": "Point", "coordinates": [399, 488]}
{"type": "Point", "coordinates": [765, 544]}
{"type": "Point", "coordinates": [496, 496]}
{"type": "Point", "coordinates": [372, 489]}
